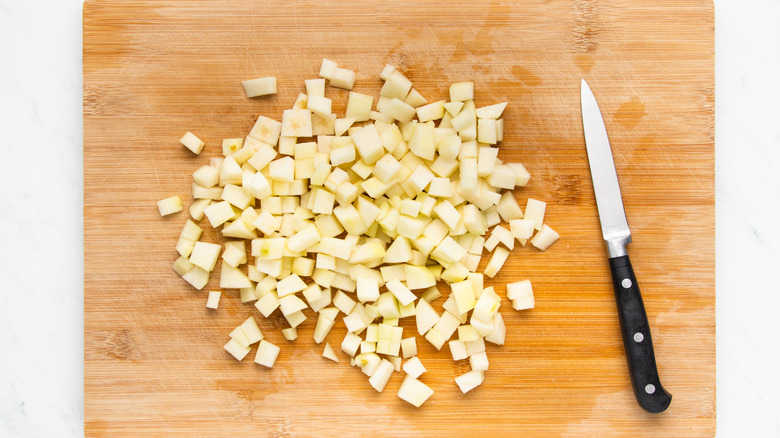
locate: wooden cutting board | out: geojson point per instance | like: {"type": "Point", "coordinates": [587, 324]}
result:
{"type": "Point", "coordinates": [153, 70]}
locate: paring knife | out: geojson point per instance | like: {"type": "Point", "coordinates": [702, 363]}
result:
{"type": "Point", "coordinates": [631, 310]}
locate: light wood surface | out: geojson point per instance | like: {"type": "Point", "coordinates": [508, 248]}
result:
{"type": "Point", "coordinates": [153, 70]}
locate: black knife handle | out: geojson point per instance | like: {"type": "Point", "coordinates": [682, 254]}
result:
{"type": "Point", "coordinates": [651, 396]}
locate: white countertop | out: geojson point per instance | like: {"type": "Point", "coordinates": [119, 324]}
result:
{"type": "Point", "coordinates": [41, 315]}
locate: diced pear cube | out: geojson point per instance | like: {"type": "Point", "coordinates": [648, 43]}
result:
{"type": "Point", "coordinates": [343, 302]}
{"type": "Point", "coordinates": [342, 78]}
{"type": "Point", "coordinates": [322, 328]}
{"type": "Point", "coordinates": [467, 333]}
{"type": "Point", "coordinates": [491, 111]}
{"type": "Point", "coordinates": [290, 285]}
{"type": "Point", "coordinates": [296, 123]}
{"type": "Point", "coordinates": [291, 304]}
{"type": "Point", "coordinates": [218, 213]}
{"type": "Point", "coordinates": [267, 353]}
{"type": "Point", "coordinates": [350, 219]}
{"type": "Point", "coordinates": [350, 344]}
{"type": "Point", "coordinates": [419, 180]}
{"type": "Point", "coordinates": [396, 361]}
{"type": "Point", "coordinates": [479, 362]}
{"type": "Point", "coordinates": [498, 335]}
{"type": "Point", "coordinates": [391, 138]}
{"type": "Point", "coordinates": [458, 350]}
{"type": "Point", "coordinates": [233, 278]}
{"type": "Point", "coordinates": [197, 207]}
{"type": "Point", "coordinates": [409, 347]}
{"type": "Point", "coordinates": [446, 325]}
{"type": "Point", "coordinates": [204, 255]}
{"type": "Point", "coordinates": [304, 239]}
{"type": "Point", "coordinates": [386, 168]}
{"type": "Point", "coordinates": [235, 253]}
{"type": "Point", "coordinates": [303, 266]}
{"type": "Point", "coordinates": [486, 160]}
{"type": "Point", "coordinates": [170, 205]}
{"type": "Point", "coordinates": [519, 289]}
{"type": "Point", "coordinates": [418, 277]}
{"type": "Point", "coordinates": [431, 294]}
{"type": "Point", "coordinates": [415, 98]}
{"type": "Point", "coordinates": [359, 106]}
{"type": "Point", "coordinates": [400, 251]}
{"type": "Point", "coordinates": [197, 277]}
{"type": "Point", "coordinates": [461, 91]}
{"type": "Point", "coordinates": [327, 68]}
{"type": "Point", "coordinates": [487, 306]}
{"type": "Point", "coordinates": [523, 303]}
{"type": "Point", "coordinates": [431, 111]}
{"type": "Point", "coordinates": [440, 187]}
{"type": "Point", "coordinates": [295, 319]}
{"type": "Point", "coordinates": [521, 174]}
{"type": "Point", "coordinates": [368, 143]}
{"type": "Point", "coordinates": [423, 142]}
{"type": "Point", "coordinates": [503, 177]}
{"type": "Point", "coordinates": [426, 317]}
{"type": "Point", "coordinates": [213, 300]}
{"type": "Point", "coordinates": [534, 210]}
{"type": "Point", "coordinates": [260, 86]}
{"type": "Point", "coordinates": [236, 350]}
{"type": "Point", "coordinates": [329, 353]}
{"type": "Point", "coordinates": [396, 86]}
{"type": "Point", "coordinates": [445, 211]}
{"type": "Point", "coordinates": [251, 330]}
{"type": "Point", "coordinates": [450, 306]}
{"type": "Point", "coordinates": [522, 229]}
{"type": "Point", "coordinates": [486, 131]}
{"type": "Point", "coordinates": [206, 176]}
{"type": "Point", "coordinates": [435, 338]}
{"type": "Point", "coordinates": [413, 367]}
{"type": "Point", "coordinates": [401, 292]}
{"type": "Point", "coordinates": [544, 238]}
{"type": "Point", "coordinates": [367, 289]}
{"type": "Point", "coordinates": [282, 169]}
{"type": "Point", "coordinates": [267, 303]}
{"type": "Point", "coordinates": [192, 142]}
{"type": "Point", "coordinates": [315, 87]}
{"type": "Point", "coordinates": [448, 251]}
{"type": "Point", "coordinates": [453, 108]}
{"type": "Point", "coordinates": [266, 130]}
{"type": "Point", "coordinates": [491, 243]}
{"type": "Point", "coordinates": [414, 392]}
{"type": "Point", "coordinates": [496, 261]}
{"type": "Point", "coordinates": [399, 110]}
{"type": "Point", "coordinates": [470, 380]}
{"type": "Point", "coordinates": [290, 333]}
{"type": "Point", "coordinates": [504, 236]}
{"type": "Point", "coordinates": [387, 305]}
{"type": "Point", "coordinates": [362, 169]}
{"type": "Point", "coordinates": [342, 154]}
{"type": "Point", "coordinates": [354, 322]}
{"type": "Point", "coordinates": [464, 122]}
{"type": "Point", "coordinates": [381, 375]}
{"type": "Point", "coordinates": [463, 294]}
{"type": "Point", "coordinates": [475, 347]}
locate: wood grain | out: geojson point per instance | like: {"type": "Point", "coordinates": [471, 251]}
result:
{"type": "Point", "coordinates": [154, 362]}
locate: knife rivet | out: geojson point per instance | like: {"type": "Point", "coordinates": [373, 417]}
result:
{"type": "Point", "coordinates": [638, 337]}
{"type": "Point", "coordinates": [626, 283]}
{"type": "Point", "coordinates": [649, 388]}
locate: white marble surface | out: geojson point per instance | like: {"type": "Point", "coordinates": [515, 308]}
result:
{"type": "Point", "coordinates": [41, 218]}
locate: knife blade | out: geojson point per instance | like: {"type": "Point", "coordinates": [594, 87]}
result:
{"type": "Point", "coordinates": [634, 325]}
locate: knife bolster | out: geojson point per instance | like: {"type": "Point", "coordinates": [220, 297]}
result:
{"type": "Point", "coordinates": [616, 247]}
